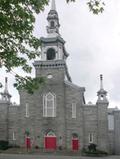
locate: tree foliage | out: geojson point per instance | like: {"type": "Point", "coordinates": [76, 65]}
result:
{"type": "Point", "coordinates": [18, 45]}
{"type": "Point", "coordinates": [95, 6]}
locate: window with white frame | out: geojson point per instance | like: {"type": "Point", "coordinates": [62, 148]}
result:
{"type": "Point", "coordinates": [49, 105]}
{"type": "Point", "coordinates": [73, 110]}
{"type": "Point", "coordinates": [13, 136]}
{"type": "Point", "coordinates": [27, 110]}
{"type": "Point", "coordinates": [91, 137]}
{"type": "Point", "coordinates": [110, 122]}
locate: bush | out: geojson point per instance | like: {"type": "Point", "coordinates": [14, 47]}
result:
{"type": "Point", "coordinates": [92, 147]}
{"type": "Point", "coordinates": [92, 151]}
{"type": "Point", "coordinates": [4, 145]}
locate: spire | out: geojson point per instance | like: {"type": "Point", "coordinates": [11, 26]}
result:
{"type": "Point", "coordinates": [101, 81]}
{"type": "Point", "coordinates": [53, 5]}
{"type": "Point", "coordinates": [102, 93]}
{"type": "Point", "coordinates": [53, 21]}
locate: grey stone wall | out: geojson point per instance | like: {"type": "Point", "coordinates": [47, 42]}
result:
{"type": "Point", "coordinates": [74, 125]}
{"type": "Point", "coordinates": [4, 120]}
{"type": "Point", "coordinates": [36, 123]}
{"type": "Point", "coordinates": [14, 124]}
{"type": "Point", "coordinates": [102, 127]}
{"type": "Point", "coordinates": [117, 131]}
{"type": "Point", "coordinates": [90, 124]}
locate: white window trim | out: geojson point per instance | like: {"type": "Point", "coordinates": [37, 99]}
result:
{"type": "Point", "coordinates": [110, 122]}
{"type": "Point", "coordinates": [45, 107]}
{"type": "Point", "coordinates": [27, 115]}
{"type": "Point", "coordinates": [74, 112]}
{"type": "Point", "coordinates": [91, 138]}
{"type": "Point", "coordinates": [13, 136]}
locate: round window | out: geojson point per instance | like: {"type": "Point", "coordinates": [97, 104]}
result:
{"type": "Point", "coordinates": [49, 76]}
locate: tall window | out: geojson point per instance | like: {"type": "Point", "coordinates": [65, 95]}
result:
{"type": "Point", "coordinates": [73, 110]}
{"type": "Point", "coordinates": [49, 105]}
{"type": "Point", "coordinates": [110, 122]}
{"type": "Point", "coordinates": [90, 137]}
{"type": "Point", "coordinates": [51, 54]}
{"type": "Point", "coordinates": [13, 136]}
{"type": "Point", "coordinates": [27, 110]}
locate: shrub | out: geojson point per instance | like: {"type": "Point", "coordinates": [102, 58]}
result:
{"type": "Point", "coordinates": [4, 145]}
{"type": "Point", "coordinates": [92, 147]}
{"type": "Point", "coordinates": [92, 151]}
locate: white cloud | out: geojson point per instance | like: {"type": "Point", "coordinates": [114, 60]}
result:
{"type": "Point", "coordinates": [93, 42]}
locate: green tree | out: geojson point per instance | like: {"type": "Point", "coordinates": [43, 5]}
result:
{"type": "Point", "coordinates": [17, 44]}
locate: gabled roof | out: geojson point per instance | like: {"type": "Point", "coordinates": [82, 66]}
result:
{"type": "Point", "coordinates": [74, 86]}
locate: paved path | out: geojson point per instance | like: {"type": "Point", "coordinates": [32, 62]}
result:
{"type": "Point", "coordinates": [9, 156]}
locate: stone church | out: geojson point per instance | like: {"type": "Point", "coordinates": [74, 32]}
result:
{"type": "Point", "coordinates": [57, 115]}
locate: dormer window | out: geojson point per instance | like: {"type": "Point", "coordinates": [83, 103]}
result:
{"type": "Point", "coordinates": [50, 54]}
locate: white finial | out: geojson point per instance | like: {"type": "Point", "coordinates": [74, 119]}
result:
{"type": "Point", "coordinates": [101, 81]}
{"type": "Point", "coordinates": [53, 6]}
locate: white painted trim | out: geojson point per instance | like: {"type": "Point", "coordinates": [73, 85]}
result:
{"type": "Point", "coordinates": [27, 110]}
{"type": "Point", "coordinates": [13, 136]}
{"type": "Point", "coordinates": [45, 105]}
{"type": "Point", "coordinates": [74, 111]}
{"type": "Point", "coordinates": [91, 137]}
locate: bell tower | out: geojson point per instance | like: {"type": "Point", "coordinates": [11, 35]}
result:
{"type": "Point", "coordinates": [102, 93]}
{"type": "Point", "coordinates": [53, 52]}
{"type": "Point", "coordinates": [102, 113]}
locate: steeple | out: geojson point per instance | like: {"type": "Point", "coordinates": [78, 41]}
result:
{"type": "Point", "coordinates": [5, 95]}
{"type": "Point", "coordinates": [53, 21]}
{"type": "Point", "coordinates": [102, 93]}
{"type": "Point", "coordinates": [53, 51]}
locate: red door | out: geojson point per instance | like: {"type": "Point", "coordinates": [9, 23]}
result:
{"type": "Point", "coordinates": [28, 142]}
{"type": "Point", "coordinates": [75, 144]}
{"type": "Point", "coordinates": [50, 143]}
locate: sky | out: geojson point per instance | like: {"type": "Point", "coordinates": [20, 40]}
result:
{"type": "Point", "coordinates": [93, 43]}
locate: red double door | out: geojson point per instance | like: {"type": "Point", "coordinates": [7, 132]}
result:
{"type": "Point", "coordinates": [50, 143]}
{"type": "Point", "coordinates": [75, 144]}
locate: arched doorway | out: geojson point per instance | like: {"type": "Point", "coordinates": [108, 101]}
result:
{"type": "Point", "coordinates": [50, 140]}
{"type": "Point", "coordinates": [75, 142]}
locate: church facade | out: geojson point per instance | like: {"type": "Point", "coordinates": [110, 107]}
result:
{"type": "Point", "coordinates": [56, 115]}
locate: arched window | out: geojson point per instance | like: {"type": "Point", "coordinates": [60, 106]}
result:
{"type": "Point", "coordinates": [50, 133]}
{"type": "Point", "coordinates": [49, 105]}
{"type": "Point", "coordinates": [52, 24]}
{"type": "Point", "coordinates": [74, 111]}
{"type": "Point", "coordinates": [27, 110]}
{"type": "Point", "coordinates": [75, 136]}
{"type": "Point", "coordinates": [50, 54]}
{"type": "Point", "coordinates": [91, 137]}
